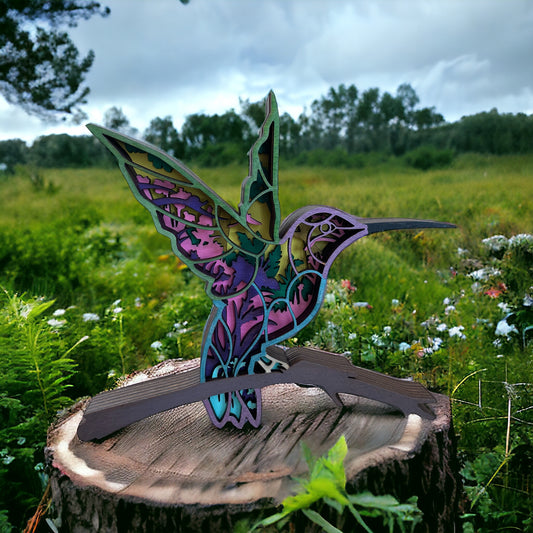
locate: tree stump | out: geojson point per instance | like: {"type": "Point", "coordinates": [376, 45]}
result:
{"type": "Point", "coordinates": [175, 471]}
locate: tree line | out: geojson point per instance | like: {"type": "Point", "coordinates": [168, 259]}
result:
{"type": "Point", "coordinates": [336, 129]}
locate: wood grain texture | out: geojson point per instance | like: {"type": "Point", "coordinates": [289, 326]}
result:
{"type": "Point", "coordinates": [175, 469]}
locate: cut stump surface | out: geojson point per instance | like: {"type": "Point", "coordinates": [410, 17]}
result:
{"type": "Point", "coordinates": [176, 470]}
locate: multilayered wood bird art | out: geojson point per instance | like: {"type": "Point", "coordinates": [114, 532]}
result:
{"type": "Point", "coordinates": [266, 279]}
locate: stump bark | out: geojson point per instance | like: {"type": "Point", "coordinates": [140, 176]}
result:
{"type": "Point", "coordinates": [175, 471]}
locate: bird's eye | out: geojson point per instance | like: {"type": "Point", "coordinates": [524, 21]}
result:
{"type": "Point", "coordinates": [326, 227]}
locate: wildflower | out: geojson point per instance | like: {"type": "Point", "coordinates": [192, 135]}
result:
{"type": "Point", "coordinates": [493, 292]}
{"type": "Point", "coordinates": [496, 243]}
{"type": "Point", "coordinates": [499, 356]}
{"type": "Point", "coordinates": [404, 346]}
{"type": "Point", "coordinates": [352, 336]}
{"type": "Point", "coordinates": [387, 330]}
{"type": "Point", "coordinates": [457, 331]}
{"type": "Point", "coordinates": [330, 298]}
{"type": "Point", "coordinates": [156, 345]}
{"type": "Point", "coordinates": [347, 285]}
{"type": "Point", "coordinates": [59, 312]}
{"type": "Point", "coordinates": [446, 301]}
{"type": "Point", "coordinates": [117, 310]}
{"type": "Point", "coordinates": [437, 342]}
{"type": "Point", "coordinates": [522, 239]}
{"type": "Point", "coordinates": [138, 302]}
{"type": "Point", "coordinates": [504, 329]}
{"type": "Point", "coordinates": [504, 307]}
{"type": "Point", "coordinates": [362, 304]}
{"type": "Point", "coordinates": [484, 273]}
{"type": "Point", "coordinates": [449, 309]}
{"type": "Point", "coordinates": [527, 301]}
{"type": "Point", "coordinates": [476, 287]}
{"type": "Point", "coordinates": [462, 251]}
{"type": "Point", "coordinates": [90, 317]}
{"type": "Point", "coordinates": [376, 339]}
{"type": "Point", "coordinates": [442, 327]}
{"type": "Point", "coordinates": [394, 301]}
{"type": "Point", "coordinates": [116, 302]}
{"type": "Point", "coordinates": [55, 323]}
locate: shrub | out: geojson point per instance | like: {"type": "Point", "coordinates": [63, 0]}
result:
{"type": "Point", "coordinates": [426, 157]}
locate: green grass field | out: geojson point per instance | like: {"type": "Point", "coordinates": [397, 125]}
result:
{"type": "Point", "coordinates": [440, 305]}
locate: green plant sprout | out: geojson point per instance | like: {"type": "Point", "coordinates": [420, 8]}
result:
{"type": "Point", "coordinates": [326, 484]}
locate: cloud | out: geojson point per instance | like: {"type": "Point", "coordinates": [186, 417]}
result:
{"type": "Point", "coordinates": [161, 58]}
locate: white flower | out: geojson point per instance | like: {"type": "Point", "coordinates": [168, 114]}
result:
{"type": "Point", "coordinates": [90, 317]}
{"type": "Point", "coordinates": [462, 251]}
{"type": "Point", "coordinates": [457, 331]}
{"type": "Point", "coordinates": [484, 273]}
{"type": "Point", "coordinates": [527, 301]}
{"type": "Point", "coordinates": [116, 302]}
{"type": "Point", "coordinates": [330, 298]}
{"type": "Point", "coordinates": [117, 310]}
{"type": "Point", "coordinates": [521, 239]}
{"type": "Point", "coordinates": [504, 307]}
{"type": "Point", "coordinates": [387, 330]}
{"type": "Point", "coordinates": [404, 346]}
{"type": "Point", "coordinates": [437, 341]}
{"type": "Point", "coordinates": [59, 312]}
{"type": "Point", "coordinates": [449, 309]}
{"type": "Point", "coordinates": [496, 243]}
{"type": "Point", "coordinates": [156, 345]}
{"type": "Point", "coordinates": [56, 323]}
{"type": "Point", "coordinates": [446, 301]}
{"type": "Point", "coordinates": [395, 301]}
{"type": "Point", "coordinates": [376, 339]}
{"type": "Point", "coordinates": [504, 329]}
{"type": "Point", "coordinates": [352, 336]}
{"type": "Point", "coordinates": [476, 287]}
{"type": "Point", "coordinates": [442, 327]}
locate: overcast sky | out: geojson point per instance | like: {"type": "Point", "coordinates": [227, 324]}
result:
{"type": "Point", "coordinates": [160, 57]}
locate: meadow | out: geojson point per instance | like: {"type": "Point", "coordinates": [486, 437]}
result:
{"type": "Point", "coordinates": [90, 292]}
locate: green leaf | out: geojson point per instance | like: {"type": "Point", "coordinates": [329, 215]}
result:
{"type": "Point", "coordinates": [321, 521]}
{"type": "Point", "coordinates": [39, 309]}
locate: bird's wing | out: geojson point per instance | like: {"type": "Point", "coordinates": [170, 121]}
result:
{"type": "Point", "coordinates": [218, 243]}
{"type": "Point", "coordinates": [259, 193]}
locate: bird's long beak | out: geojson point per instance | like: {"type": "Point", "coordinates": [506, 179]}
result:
{"type": "Point", "coordinates": [376, 225]}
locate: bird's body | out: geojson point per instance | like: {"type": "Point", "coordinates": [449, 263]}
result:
{"type": "Point", "coordinates": [266, 279]}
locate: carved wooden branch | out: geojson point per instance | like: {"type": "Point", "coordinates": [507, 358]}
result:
{"type": "Point", "coordinates": [112, 410]}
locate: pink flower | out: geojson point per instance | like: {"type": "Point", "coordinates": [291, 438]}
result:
{"type": "Point", "coordinates": [347, 285]}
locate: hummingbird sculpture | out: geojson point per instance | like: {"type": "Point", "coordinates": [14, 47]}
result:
{"type": "Point", "coordinates": [266, 278]}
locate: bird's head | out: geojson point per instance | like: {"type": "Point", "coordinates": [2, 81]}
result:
{"type": "Point", "coordinates": [316, 235]}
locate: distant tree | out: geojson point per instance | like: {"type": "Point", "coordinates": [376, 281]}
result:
{"type": "Point", "coordinates": [162, 133]}
{"type": "Point", "coordinates": [115, 119]}
{"type": "Point", "coordinates": [427, 117]}
{"type": "Point", "coordinates": [60, 151]}
{"type": "Point", "coordinates": [200, 130]}
{"type": "Point", "coordinates": [12, 152]}
{"type": "Point", "coordinates": [334, 115]}
{"type": "Point", "coordinates": [40, 67]}
{"type": "Point", "coordinates": [409, 99]}
{"type": "Point", "coordinates": [253, 112]}
{"type": "Point", "coordinates": [289, 135]}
